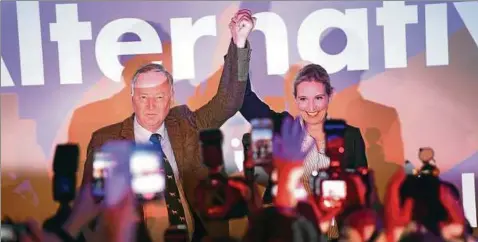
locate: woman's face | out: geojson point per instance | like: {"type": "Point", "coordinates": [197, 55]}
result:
{"type": "Point", "coordinates": [312, 101]}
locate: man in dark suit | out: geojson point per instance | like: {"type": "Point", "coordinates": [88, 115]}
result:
{"type": "Point", "coordinates": [176, 131]}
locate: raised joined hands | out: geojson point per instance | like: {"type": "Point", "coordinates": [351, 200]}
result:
{"type": "Point", "coordinates": [241, 26]}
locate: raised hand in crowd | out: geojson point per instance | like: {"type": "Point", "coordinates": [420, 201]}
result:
{"type": "Point", "coordinates": [288, 155]}
{"type": "Point", "coordinates": [396, 217]}
{"type": "Point", "coordinates": [360, 226]}
{"type": "Point", "coordinates": [362, 221]}
{"type": "Point", "coordinates": [281, 221]}
{"type": "Point", "coordinates": [356, 201]}
{"type": "Point", "coordinates": [83, 211]}
{"type": "Point", "coordinates": [454, 228]}
{"type": "Point", "coordinates": [253, 198]}
{"type": "Point", "coordinates": [120, 214]}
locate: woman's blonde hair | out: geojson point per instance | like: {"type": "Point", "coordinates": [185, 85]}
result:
{"type": "Point", "coordinates": [313, 73]}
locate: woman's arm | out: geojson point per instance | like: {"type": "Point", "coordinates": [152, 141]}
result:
{"type": "Point", "coordinates": [253, 107]}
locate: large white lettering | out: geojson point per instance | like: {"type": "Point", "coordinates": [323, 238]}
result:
{"type": "Point", "coordinates": [436, 34]}
{"type": "Point", "coordinates": [469, 197]}
{"type": "Point", "coordinates": [467, 12]}
{"type": "Point", "coordinates": [394, 16]}
{"type": "Point", "coordinates": [6, 79]}
{"type": "Point", "coordinates": [354, 23]}
{"type": "Point", "coordinates": [108, 48]}
{"type": "Point", "coordinates": [30, 43]}
{"type": "Point", "coordinates": [184, 35]}
{"type": "Point", "coordinates": [277, 44]}
{"type": "Point", "coordinates": [69, 49]}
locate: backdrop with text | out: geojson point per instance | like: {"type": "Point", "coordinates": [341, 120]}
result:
{"type": "Point", "coordinates": [405, 73]}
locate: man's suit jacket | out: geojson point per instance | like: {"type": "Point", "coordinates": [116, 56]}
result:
{"type": "Point", "coordinates": [183, 126]}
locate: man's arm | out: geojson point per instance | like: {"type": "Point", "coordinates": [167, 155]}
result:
{"type": "Point", "coordinates": [230, 93]}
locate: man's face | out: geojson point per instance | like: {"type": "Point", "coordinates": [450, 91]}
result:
{"type": "Point", "coordinates": [152, 99]}
{"type": "Point", "coordinates": [312, 101]}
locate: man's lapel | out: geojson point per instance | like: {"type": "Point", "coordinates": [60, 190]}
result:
{"type": "Point", "coordinates": [127, 130]}
{"type": "Point", "coordinates": [174, 134]}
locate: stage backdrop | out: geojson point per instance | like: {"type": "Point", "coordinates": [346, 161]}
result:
{"type": "Point", "coordinates": [405, 73]}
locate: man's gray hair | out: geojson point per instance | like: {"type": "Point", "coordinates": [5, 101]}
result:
{"type": "Point", "coordinates": [148, 68]}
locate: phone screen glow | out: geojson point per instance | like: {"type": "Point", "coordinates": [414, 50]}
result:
{"type": "Point", "coordinates": [147, 174]}
{"type": "Point", "coordinates": [334, 189]}
{"type": "Point", "coordinates": [102, 165]}
{"type": "Point", "coordinates": [261, 143]}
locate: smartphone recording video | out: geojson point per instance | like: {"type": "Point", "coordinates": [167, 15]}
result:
{"type": "Point", "coordinates": [102, 164]}
{"type": "Point", "coordinates": [147, 173]}
{"type": "Point", "coordinates": [261, 140]}
{"type": "Point", "coordinates": [334, 189]}
{"type": "Point", "coordinates": [335, 145]}
{"type": "Point", "coordinates": [65, 166]}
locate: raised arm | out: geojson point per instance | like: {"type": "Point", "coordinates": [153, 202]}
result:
{"type": "Point", "coordinates": [230, 93]}
{"type": "Point", "coordinates": [232, 85]}
{"type": "Point", "coordinates": [253, 107]}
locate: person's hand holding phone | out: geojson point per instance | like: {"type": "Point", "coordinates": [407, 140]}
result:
{"type": "Point", "coordinates": [253, 198]}
{"type": "Point", "coordinates": [327, 200]}
{"type": "Point", "coordinates": [148, 179]}
{"type": "Point", "coordinates": [261, 150]}
{"type": "Point", "coordinates": [396, 217]}
{"type": "Point", "coordinates": [361, 225]}
{"type": "Point", "coordinates": [103, 162]}
{"type": "Point", "coordinates": [120, 204]}
{"type": "Point", "coordinates": [356, 192]}
{"type": "Point", "coordinates": [454, 228]}
{"type": "Point", "coordinates": [84, 209]}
